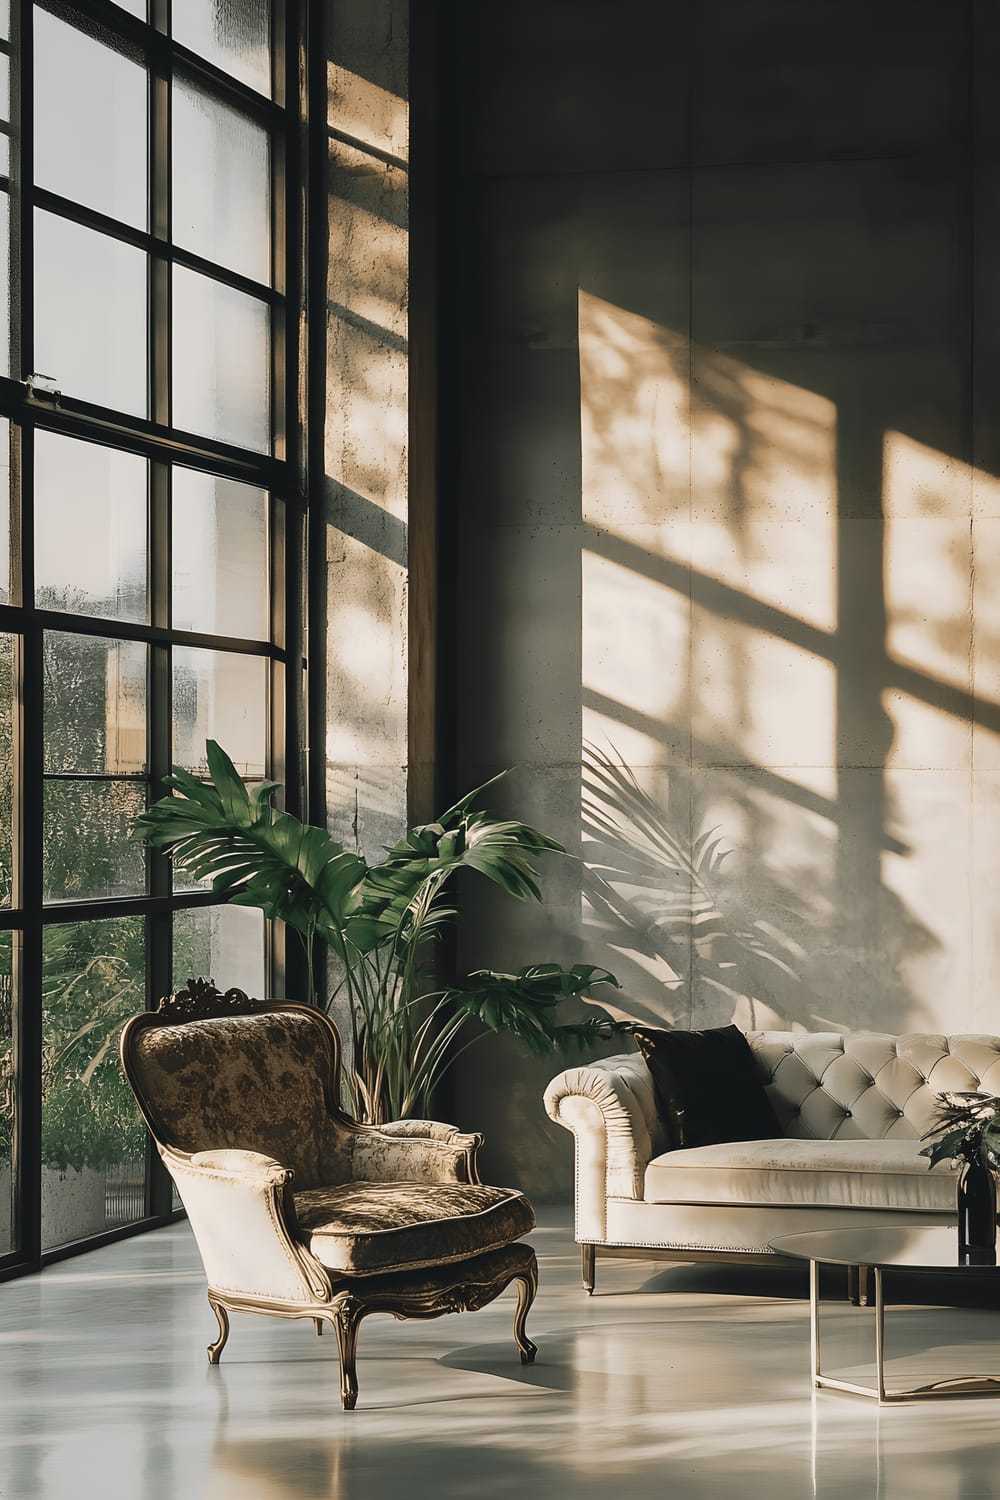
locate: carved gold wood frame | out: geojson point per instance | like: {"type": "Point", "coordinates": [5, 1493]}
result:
{"type": "Point", "coordinates": [463, 1287]}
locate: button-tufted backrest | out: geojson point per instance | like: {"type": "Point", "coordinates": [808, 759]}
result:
{"type": "Point", "coordinates": [867, 1085]}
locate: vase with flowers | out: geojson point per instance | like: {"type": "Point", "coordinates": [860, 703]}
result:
{"type": "Point", "coordinates": [966, 1129]}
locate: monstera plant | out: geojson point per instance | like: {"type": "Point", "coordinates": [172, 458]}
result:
{"type": "Point", "coordinates": [379, 923]}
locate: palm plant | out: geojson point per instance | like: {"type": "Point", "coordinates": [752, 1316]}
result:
{"type": "Point", "coordinates": [378, 922]}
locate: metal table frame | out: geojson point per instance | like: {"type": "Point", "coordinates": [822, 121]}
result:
{"type": "Point", "coordinates": [965, 1385]}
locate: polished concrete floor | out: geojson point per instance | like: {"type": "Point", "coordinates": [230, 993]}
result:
{"type": "Point", "coordinates": [674, 1381]}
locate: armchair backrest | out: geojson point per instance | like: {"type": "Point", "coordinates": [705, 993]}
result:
{"type": "Point", "coordinates": [213, 1071]}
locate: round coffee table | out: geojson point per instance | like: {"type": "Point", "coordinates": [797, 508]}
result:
{"type": "Point", "coordinates": [931, 1249]}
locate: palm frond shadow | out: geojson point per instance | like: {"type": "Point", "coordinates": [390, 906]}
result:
{"type": "Point", "coordinates": [658, 888]}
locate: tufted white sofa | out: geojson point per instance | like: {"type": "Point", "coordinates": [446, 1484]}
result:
{"type": "Point", "coordinates": [853, 1109]}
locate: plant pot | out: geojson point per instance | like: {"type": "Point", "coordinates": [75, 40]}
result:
{"type": "Point", "coordinates": [73, 1204]}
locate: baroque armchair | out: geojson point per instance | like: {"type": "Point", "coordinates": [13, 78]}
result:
{"type": "Point", "coordinates": [298, 1210]}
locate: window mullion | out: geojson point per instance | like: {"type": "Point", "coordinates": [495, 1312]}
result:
{"type": "Point", "coordinates": [28, 952]}
{"type": "Point", "coordinates": [22, 198]}
{"type": "Point", "coordinates": [160, 227]}
{"type": "Point", "coordinates": [159, 926]}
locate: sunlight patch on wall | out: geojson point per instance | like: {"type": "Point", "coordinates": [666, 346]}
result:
{"type": "Point", "coordinates": [372, 114]}
{"type": "Point", "coordinates": [762, 449]}
{"type": "Point", "coordinates": [758, 700]}
{"type": "Point", "coordinates": [742, 494]}
{"type": "Point", "coordinates": [633, 417]}
{"type": "Point", "coordinates": [928, 598]}
{"type": "Point", "coordinates": [635, 654]}
{"type": "Point", "coordinates": [366, 434]}
{"type": "Point", "coordinates": [366, 658]}
{"type": "Point", "coordinates": [930, 882]}
{"type": "Point", "coordinates": [368, 238]}
{"type": "Point", "coordinates": [986, 623]}
{"type": "Point", "coordinates": [709, 618]}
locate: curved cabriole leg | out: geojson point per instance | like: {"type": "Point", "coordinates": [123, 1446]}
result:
{"type": "Point", "coordinates": [588, 1265]}
{"type": "Point", "coordinates": [346, 1322]}
{"type": "Point", "coordinates": [222, 1317]}
{"type": "Point", "coordinates": [526, 1288]}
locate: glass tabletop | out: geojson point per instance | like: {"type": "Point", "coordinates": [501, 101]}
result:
{"type": "Point", "coordinates": [923, 1248]}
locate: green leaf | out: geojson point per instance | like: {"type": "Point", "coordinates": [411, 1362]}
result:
{"type": "Point", "coordinates": [253, 853]}
{"type": "Point", "coordinates": [523, 1003]}
{"type": "Point", "coordinates": [229, 785]}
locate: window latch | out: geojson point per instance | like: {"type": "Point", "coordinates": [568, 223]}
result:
{"type": "Point", "coordinates": [44, 385]}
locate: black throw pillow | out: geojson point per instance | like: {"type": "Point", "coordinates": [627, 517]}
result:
{"type": "Point", "coordinates": [707, 1086]}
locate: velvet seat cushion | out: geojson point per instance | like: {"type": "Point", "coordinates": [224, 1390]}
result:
{"type": "Point", "coordinates": [362, 1228]}
{"type": "Point", "coordinates": [707, 1085]}
{"type": "Point", "coordinates": [886, 1175]}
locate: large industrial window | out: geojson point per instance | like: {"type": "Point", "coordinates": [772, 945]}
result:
{"type": "Point", "coordinates": [149, 466]}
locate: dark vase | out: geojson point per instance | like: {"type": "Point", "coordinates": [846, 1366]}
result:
{"type": "Point", "coordinates": [977, 1207]}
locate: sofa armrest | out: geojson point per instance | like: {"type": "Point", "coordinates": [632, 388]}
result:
{"type": "Point", "coordinates": [238, 1208]}
{"type": "Point", "coordinates": [610, 1107]}
{"type": "Point", "coordinates": [414, 1151]}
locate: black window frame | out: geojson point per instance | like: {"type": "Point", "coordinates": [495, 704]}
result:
{"type": "Point", "coordinates": [281, 472]}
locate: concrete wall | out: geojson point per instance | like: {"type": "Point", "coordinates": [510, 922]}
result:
{"type": "Point", "coordinates": [367, 426]}
{"type": "Point", "coordinates": [729, 511]}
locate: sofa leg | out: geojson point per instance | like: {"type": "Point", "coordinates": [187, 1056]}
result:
{"type": "Point", "coordinates": [588, 1264]}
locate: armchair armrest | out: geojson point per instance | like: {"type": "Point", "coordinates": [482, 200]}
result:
{"type": "Point", "coordinates": [610, 1108]}
{"type": "Point", "coordinates": [414, 1151]}
{"type": "Point", "coordinates": [248, 1167]}
{"type": "Point", "coordinates": [236, 1205]}
{"type": "Point", "coordinates": [434, 1130]}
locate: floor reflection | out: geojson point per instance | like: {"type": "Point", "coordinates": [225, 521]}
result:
{"type": "Point", "coordinates": [680, 1380]}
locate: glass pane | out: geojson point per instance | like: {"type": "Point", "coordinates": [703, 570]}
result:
{"type": "Point", "coordinates": [221, 362]}
{"type": "Point", "coordinates": [90, 314]}
{"type": "Point", "coordinates": [235, 35]}
{"type": "Point", "coordinates": [7, 697]}
{"type": "Point", "coordinates": [90, 122]}
{"type": "Point", "coordinates": [221, 200]}
{"type": "Point", "coordinates": [93, 1138]}
{"type": "Point", "coordinates": [223, 697]}
{"type": "Point", "coordinates": [86, 845]}
{"type": "Point", "coordinates": [95, 704]}
{"type": "Point", "coordinates": [134, 7]}
{"type": "Point", "coordinates": [8, 1095]}
{"type": "Point", "coordinates": [5, 19]}
{"type": "Point", "coordinates": [90, 529]}
{"type": "Point", "coordinates": [224, 943]}
{"type": "Point", "coordinates": [219, 556]}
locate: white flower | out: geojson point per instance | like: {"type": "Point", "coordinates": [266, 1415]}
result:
{"type": "Point", "coordinates": [979, 1104]}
